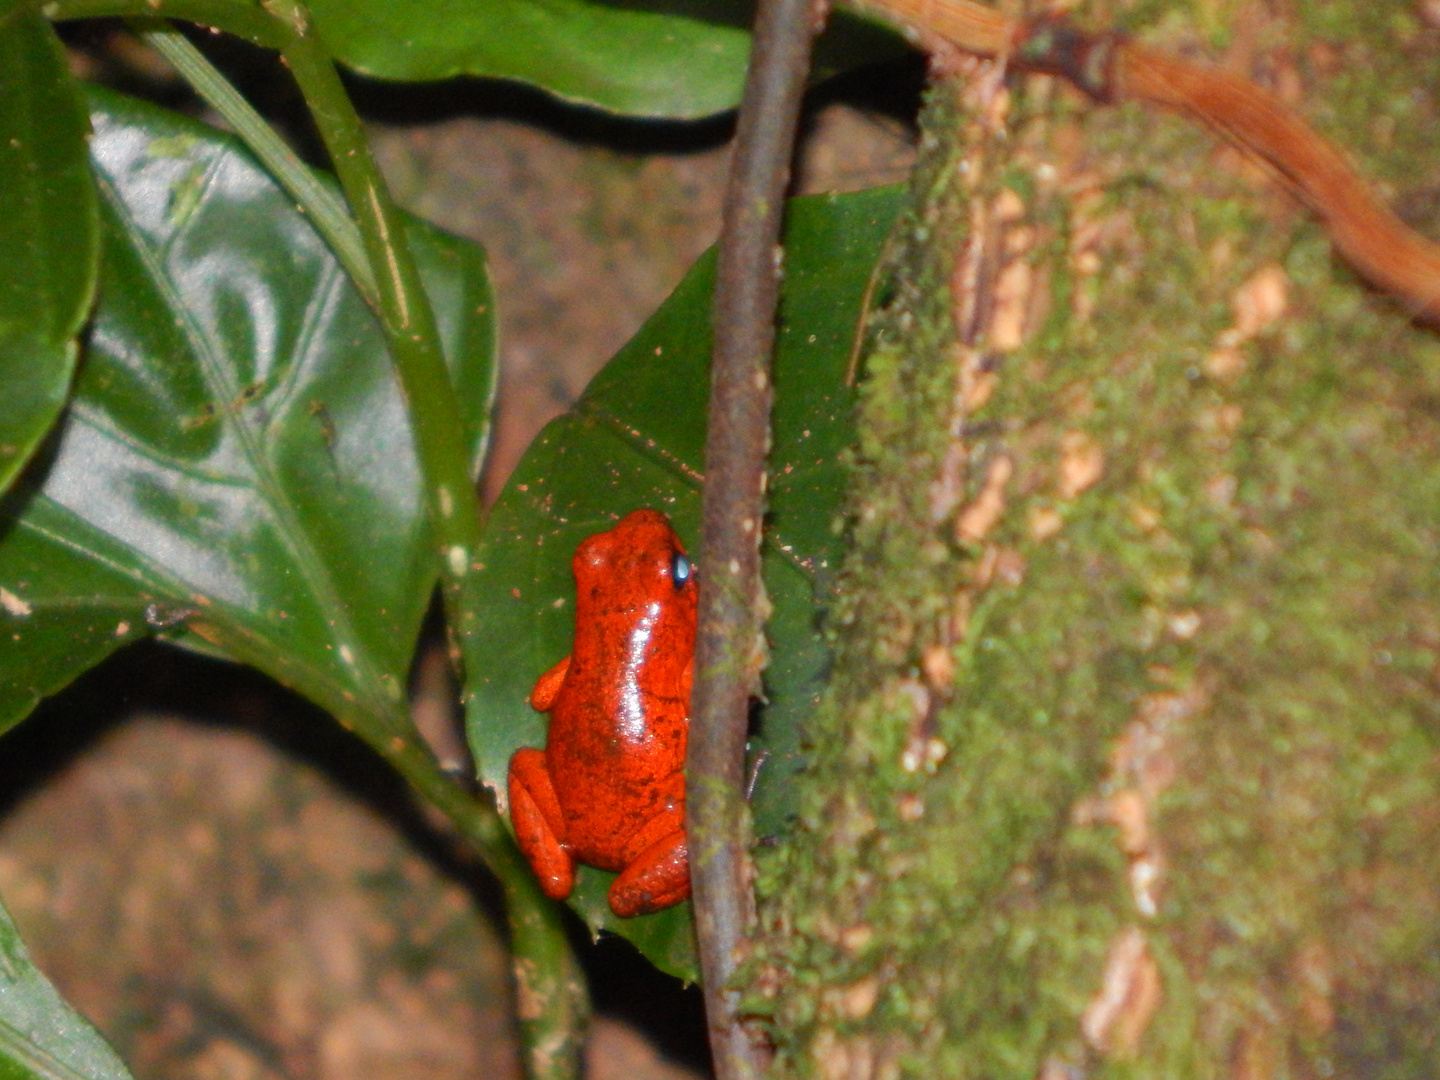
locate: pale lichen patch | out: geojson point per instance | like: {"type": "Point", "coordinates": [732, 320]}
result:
{"type": "Point", "coordinates": [1129, 995]}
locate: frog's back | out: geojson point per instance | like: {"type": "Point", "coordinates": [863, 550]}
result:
{"type": "Point", "coordinates": [612, 790]}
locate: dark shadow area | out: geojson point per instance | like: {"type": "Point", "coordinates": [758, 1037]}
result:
{"type": "Point", "coordinates": [404, 104]}
{"type": "Point", "coordinates": [625, 985]}
{"type": "Point", "coordinates": [889, 85]}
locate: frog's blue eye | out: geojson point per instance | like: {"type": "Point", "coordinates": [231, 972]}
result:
{"type": "Point", "coordinates": [680, 569]}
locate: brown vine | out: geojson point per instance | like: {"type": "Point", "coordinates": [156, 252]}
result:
{"type": "Point", "coordinates": [1111, 67]}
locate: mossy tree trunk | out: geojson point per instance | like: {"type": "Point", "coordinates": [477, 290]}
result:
{"type": "Point", "coordinates": [1128, 765]}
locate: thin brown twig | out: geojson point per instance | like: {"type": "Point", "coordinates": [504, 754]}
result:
{"type": "Point", "coordinates": [730, 646]}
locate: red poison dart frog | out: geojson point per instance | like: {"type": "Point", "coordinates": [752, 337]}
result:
{"type": "Point", "coordinates": [608, 790]}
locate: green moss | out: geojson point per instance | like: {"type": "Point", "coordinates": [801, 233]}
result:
{"type": "Point", "coordinates": [976, 852]}
{"type": "Point", "coordinates": [1248, 594]}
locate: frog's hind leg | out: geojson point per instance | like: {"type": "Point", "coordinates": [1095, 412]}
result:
{"type": "Point", "coordinates": [538, 823]}
{"type": "Point", "coordinates": [659, 875]}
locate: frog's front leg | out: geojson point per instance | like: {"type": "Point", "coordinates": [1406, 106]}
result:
{"type": "Point", "coordinates": [539, 825]}
{"type": "Point", "coordinates": [547, 687]}
{"type": "Point", "coordinates": [659, 874]}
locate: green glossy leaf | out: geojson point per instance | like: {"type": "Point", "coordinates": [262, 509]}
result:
{"type": "Point", "coordinates": [49, 232]}
{"type": "Point", "coordinates": [636, 439]}
{"type": "Point", "coordinates": [236, 468]}
{"type": "Point", "coordinates": [42, 1038]}
{"type": "Point", "coordinates": [681, 59]}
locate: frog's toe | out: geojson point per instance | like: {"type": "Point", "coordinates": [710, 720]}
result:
{"type": "Point", "coordinates": [657, 879]}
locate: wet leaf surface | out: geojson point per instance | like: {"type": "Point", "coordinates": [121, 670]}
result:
{"type": "Point", "coordinates": [236, 469]}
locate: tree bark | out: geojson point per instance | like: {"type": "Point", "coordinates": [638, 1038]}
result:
{"type": "Point", "coordinates": [1128, 763]}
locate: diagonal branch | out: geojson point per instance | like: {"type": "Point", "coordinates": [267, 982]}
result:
{"type": "Point", "coordinates": [1109, 66]}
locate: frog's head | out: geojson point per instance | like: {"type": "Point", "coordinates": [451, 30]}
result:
{"type": "Point", "coordinates": [637, 563]}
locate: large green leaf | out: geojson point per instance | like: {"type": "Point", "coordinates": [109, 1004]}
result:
{"type": "Point", "coordinates": [236, 467]}
{"type": "Point", "coordinates": [636, 439]}
{"type": "Point", "coordinates": [49, 231]}
{"type": "Point", "coordinates": [42, 1038]}
{"type": "Point", "coordinates": [681, 59]}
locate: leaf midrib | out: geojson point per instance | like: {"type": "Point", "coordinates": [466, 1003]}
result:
{"type": "Point", "coordinates": [315, 573]}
